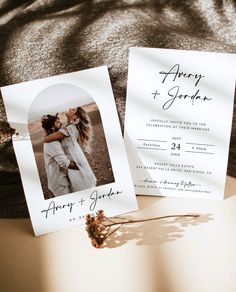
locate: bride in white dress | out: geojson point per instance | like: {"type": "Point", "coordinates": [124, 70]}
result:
{"type": "Point", "coordinates": [77, 132]}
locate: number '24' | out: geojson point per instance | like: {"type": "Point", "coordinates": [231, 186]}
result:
{"type": "Point", "coordinates": [175, 146]}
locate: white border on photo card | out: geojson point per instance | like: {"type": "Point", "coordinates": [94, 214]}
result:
{"type": "Point", "coordinates": [117, 197]}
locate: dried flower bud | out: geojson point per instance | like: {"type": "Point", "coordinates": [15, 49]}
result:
{"type": "Point", "coordinates": [6, 132]}
{"type": "Point", "coordinates": [96, 231]}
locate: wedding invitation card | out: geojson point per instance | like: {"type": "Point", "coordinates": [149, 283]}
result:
{"type": "Point", "coordinates": [178, 121]}
{"type": "Point", "coordinates": [69, 148]}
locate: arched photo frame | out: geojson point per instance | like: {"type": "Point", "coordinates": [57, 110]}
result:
{"type": "Point", "coordinates": [57, 100]}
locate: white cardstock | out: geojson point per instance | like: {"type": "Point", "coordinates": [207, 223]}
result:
{"type": "Point", "coordinates": [25, 105]}
{"type": "Point", "coordinates": [178, 121]}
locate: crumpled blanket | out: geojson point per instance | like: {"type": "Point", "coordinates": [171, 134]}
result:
{"type": "Point", "coordinates": [42, 38]}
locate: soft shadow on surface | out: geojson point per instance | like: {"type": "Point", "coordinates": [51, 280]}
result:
{"type": "Point", "coordinates": [230, 187]}
{"type": "Point", "coordinates": [19, 226]}
{"type": "Point", "coordinates": [22, 263]}
{"type": "Point", "coordinates": [154, 232]}
{"type": "Point", "coordinates": [146, 201]}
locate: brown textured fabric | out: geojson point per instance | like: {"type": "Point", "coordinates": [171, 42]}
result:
{"type": "Point", "coordinates": [42, 38]}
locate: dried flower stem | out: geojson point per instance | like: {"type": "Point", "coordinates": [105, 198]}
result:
{"type": "Point", "coordinates": [129, 221]}
{"type": "Point", "coordinates": [99, 226]}
{"type": "Point", "coordinates": [149, 219]}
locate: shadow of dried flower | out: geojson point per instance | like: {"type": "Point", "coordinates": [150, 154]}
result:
{"type": "Point", "coordinates": [99, 227]}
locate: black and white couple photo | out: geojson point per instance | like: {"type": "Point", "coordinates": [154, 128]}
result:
{"type": "Point", "coordinates": [69, 143]}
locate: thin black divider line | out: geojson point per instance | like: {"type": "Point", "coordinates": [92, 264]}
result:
{"type": "Point", "coordinates": [200, 152]}
{"type": "Point", "coordinates": [150, 148]}
{"type": "Point", "coordinates": [151, 140]}
{"type": "Point", "coordinates": [200, 144]}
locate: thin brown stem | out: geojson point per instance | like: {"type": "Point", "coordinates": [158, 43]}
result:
{"type": "Point", "coordinates": [114, 229]}
{"type": "Point", "coordinates": [152, 219]}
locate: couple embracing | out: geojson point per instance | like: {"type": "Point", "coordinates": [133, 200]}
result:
{"type": "Point", "coordinates": [66, 165]}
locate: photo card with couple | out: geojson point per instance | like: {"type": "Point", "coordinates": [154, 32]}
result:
{"type": "Point", "coordinates": [69, 148]}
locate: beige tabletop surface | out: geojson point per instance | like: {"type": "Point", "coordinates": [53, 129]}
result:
{"type": "Point", "coordinates": [170, 255]}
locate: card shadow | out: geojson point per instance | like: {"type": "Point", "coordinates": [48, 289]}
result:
{"type": "Point", "coordinates": [230, 187]}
